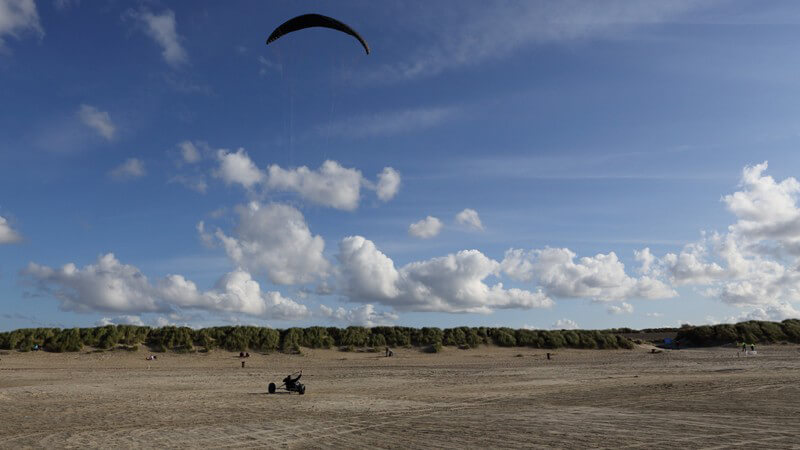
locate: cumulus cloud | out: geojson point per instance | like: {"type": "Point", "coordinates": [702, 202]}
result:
{"type": "Point", "coordinates": [364, 315]}
{"type": "Point", "coordinates": [162, 28]}
{"type": "Point", "coordinates": [425, 228]}
{"type": "Point", "coordinates": [452, 283]}
{"type": "Point", "coordinates": [99, 121]}
{"type": "Point", "coordinates": [469, 218]}
{"type": "Point", "coordinates": [622, 308]}
{"type": "Point", "coordinates": [366, 272]}
{"type": "Point", "coordinates": [388, 184]}
{"type": "Point", "coordinates": [690, 266]}
{"type": "Point", "coordinates": [7, 234]}
{"type": "Point", "coordinates": [189, 152]}
{"type": "Point", "coordinates": [331, 185]}
{"type": "Point", "coordinates": [130, 169]}
{"type": "Point", "coordinates": [755, 263]}
{"type": "Point", "coordinates": [121, 320]}
{"type": "Point", "coordinates": [776, 312]}
{"type": "Point", "coordinates": [765, 209]}
{"type": "Point", "coordinates": [107, 286]}
{"type": "Point", "coordinates": [237, 168]}
{"type": "Point", "coordinates": [205, 237]}
{"type": "Point", "coordinates": [601, 277]}
{"type": "Point", "coordinates": [18, 17]}
{"type": "Point", "coordinates": [111, 286]}
{"type": "Point", "coordinates": [274, 239]}
{"type": "Point", "coordinates": [565, 324]}
{"type": "Point", "coordinates": [235, 292]}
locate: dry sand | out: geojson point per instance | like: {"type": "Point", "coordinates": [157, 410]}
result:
{"type": "Point", "coordinates": [488, 398]}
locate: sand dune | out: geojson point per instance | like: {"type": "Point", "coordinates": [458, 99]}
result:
{"type": "Point", "coordinates": [489, 397]}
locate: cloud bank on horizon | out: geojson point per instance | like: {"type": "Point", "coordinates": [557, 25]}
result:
{"type": "Point", "coordinates": [405, 193]}
{"type": "Point", "coordinates": [754, 264]}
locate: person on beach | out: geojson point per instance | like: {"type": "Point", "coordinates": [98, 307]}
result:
{"type": "Point", "coordinates": [290, 381]}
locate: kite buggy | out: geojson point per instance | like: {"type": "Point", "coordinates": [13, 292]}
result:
{"type": "Point", "coordinates": [290, 384]}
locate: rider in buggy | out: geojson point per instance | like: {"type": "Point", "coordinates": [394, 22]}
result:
{"type": "Point", "coordinates": [291, 382]}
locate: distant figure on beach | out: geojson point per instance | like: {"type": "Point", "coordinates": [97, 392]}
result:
{"type": "Point", "coordinates": [753, 348]}
{"type": "Point", "coordinates": [744, 348]}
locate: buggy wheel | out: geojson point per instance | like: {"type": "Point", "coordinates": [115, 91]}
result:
{"type": "Point", "coordinates": [302, 390]}
{"type": "Point", "coordinates": [271, 388]}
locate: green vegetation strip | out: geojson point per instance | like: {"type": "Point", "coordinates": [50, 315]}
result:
{"type": "Point", "coordinates": [184, 339]}
{"type": "Point", "coordinates": [292, 340]}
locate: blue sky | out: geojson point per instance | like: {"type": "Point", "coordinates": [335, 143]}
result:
{"type": "Point", "coordinates": [527, 164]}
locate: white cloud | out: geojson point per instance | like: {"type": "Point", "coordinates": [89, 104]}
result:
{"type": "Point", "coordinates": [647, 259]}
{"type": "Point", "coordinates": [601, 277]}
{"type": "Point", "coordinates": [274, 239]}
{"type": "Point", "coordinates": [390, 122]}
{"type": "Point", "coordinates": [206, 238]}
{"type": "Point", "coordinates": [161, 321]}
{"type": "Point", "coordinates": [366, 272]}
{"type": "Point", "coordinates": [121, 320]}
{"type": "Point", "coordinates": [469, 218]}
{"type": "Point", "coordinates": [690, 267]}
{"type": "Point", "coordinates": [453, 283]}
{"type": "Point", "coordinates": [237, 168]}
{"type": "Point", "coordinates": [163, 30]}
{"type": "Point", "coordinates": [18, 17]}
{"type": "Point", "coordinates": [110, 286]}
{"type": "Point", "coordinates": [189, 152]}
{"type": "Point", "coordinates": [130, 169]}
{"type": "Point", "coordinates": [622, 308]}
{"type": "Point", "coordinates": [565, 324]}
{"type": "Point", "coordinates": [99, 121]}
{"type": "Point", "coordinates": [654, 314]}
{"type": "Point", "coordinates": [766, 210]}
{"type": "Point", "coordinates": [331, 185]}
{"type": "Point", "coordinates": [425, 228]}
{"type": "Point", "coordinates": [388, 184]}
{"type": "Point", "coordinates": [107, 286]}
{"type": "Point", "coordinates": [776, 312]}
{"type": "Point", "coordinates": [470, 36]}
{"type": "Point", "coordinates": [7, 234]}
{"type": "Point", "coordinates": [754, 264]}
{"type": "Point", "coordinates": [364, 315]}
{"type": "Point", "coordinates": [235, 292]}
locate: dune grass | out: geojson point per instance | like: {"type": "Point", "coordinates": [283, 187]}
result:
{"type": "Point", "coordinates": [431, 339]}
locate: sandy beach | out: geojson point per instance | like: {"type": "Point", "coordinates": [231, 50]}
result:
{"type": "Point", "coordinates": [488, 397]}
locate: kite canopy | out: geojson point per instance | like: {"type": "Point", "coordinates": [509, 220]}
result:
{"type": "Point", "coordinates": [314, 20]}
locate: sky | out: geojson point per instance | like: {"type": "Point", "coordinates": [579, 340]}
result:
{"type": "Point", "coordinates": [533, 164]}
